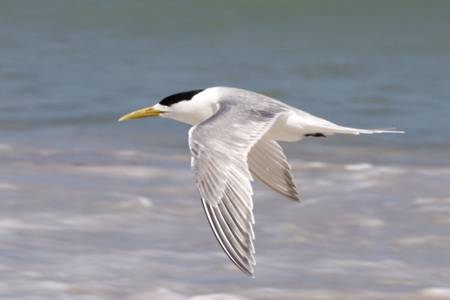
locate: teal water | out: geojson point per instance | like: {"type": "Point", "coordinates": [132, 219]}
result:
{"type": "Point", "coordinates": [84, 64]}
{"type": "Point", "coordinates": [94, 209]}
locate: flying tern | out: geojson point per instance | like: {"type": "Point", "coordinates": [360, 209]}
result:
{"type": "Point", "coordinates": [234, 138]}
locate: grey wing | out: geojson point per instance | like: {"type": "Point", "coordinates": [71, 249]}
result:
{"type": "Point", "coordinates": [268, 163]}
{"type": "Point", "coordinates": [219, 147]}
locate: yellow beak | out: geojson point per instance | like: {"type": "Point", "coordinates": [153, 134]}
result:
{"type": "Point", "coordinates": [141, 113]}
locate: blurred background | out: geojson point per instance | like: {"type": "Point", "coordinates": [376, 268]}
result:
{"type": "Point", "coordinates": [94, 209]}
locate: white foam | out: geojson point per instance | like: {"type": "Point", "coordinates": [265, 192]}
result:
{"type": "Point", "coordinates": [8, 225]}
{"type": "Point", "coordinates": [53, 285]}
{"type": "Point", "coordinates": [359, 167]}
{"type": "Point", "coordinates": [316, 165]}
{"type": "Point", "coordinates": [217, 297]}
{"type": "Point", "coordinates": [14, 224]}
{"type": "Point", "coordinates": [436, 292]}
{"type": "Point", "coordinates": [372, 223]}
{"type": "Point", "coordinates": [426, 240]}
{"type": "Point", "coordinates": [323, 294]}
{"type": "Point", "coordinates": [135, 202]}
{"type": "Point", "coordinates": [160, 294]}
{"type": "Point", "coordinates": [31, 274]}
{"type": "Point", "coordinates": [166, 294]}
{"type": "Point", "coordinates": [5, 147]}
{"type": "Point", "coordinates": [343, 265]}
{"type": "Point", "coordinates": [131, 200]}
{"type": "Point", "coordinates": [391, 170]}
{"type": "Point", "coordinates": [431, 200]}
{"type": "Point", "coordinates": [425, 201]}
{"type": "Point", "coordinates": [123, 171]}
{"type": "Point", "coordinates": [366, 221]}
{"type": "Point", "coordinates": [144, 201]}
{"type": "Point", "coordinates": [127, 153]}
{"type": "Point", "coordinates": [6, 186]}
{"type": "Point", "coordinates": [79, 221]}
{"type": "Point", "coordinates": [47, 152]}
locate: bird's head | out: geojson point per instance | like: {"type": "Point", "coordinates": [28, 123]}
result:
{"type": "Point", "coordinates": [189, 107]}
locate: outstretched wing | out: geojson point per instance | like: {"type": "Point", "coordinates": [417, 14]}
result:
{"type": "Point", "coordinates": [219, 147]}
{"type": "Point", "coordinates": [269, 165]}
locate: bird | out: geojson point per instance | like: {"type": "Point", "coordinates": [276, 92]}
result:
{"type": "Point", "coordinates": [234, 138]}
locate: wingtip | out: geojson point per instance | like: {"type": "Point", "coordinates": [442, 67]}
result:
{"type": "Point", "coordinates": [296, 198]}
{"type": "Point", "coordinates": [249, 272]}
{"type": "Point", "coordinates": [247, 269]}
{"type": "Point", "coordinates": [293, 195]}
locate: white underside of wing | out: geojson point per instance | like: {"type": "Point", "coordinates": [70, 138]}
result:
{"type": "Point", "coordinates": [268, 164]}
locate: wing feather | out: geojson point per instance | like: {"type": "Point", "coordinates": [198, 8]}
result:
{"type": "Point", "coordinates": [269, 165]}
{"type": "Point", "coordinates": [220, 147]}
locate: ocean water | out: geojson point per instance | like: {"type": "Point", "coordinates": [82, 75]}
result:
{"type": "Point", "coordinates": [94, 209]}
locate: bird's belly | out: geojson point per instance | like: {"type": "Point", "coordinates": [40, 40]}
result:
{"type": "Point", "coordinates": [287, 128]}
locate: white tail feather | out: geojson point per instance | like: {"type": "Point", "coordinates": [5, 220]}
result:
{"type": "Point", "coordinates": [349, 130]}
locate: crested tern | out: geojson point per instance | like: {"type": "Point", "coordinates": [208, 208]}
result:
{"type": "Point", "coordinates": [234, 138]}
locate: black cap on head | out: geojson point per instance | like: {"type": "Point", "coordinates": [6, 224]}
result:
{"type": "Point", "coordinates": [169, 100]}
